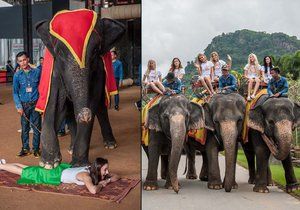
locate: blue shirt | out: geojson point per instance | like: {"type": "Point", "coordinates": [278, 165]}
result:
{"type": "Point", "coordinates": [228, 81]}
{"type": "Point", "coordinates": [118, 69]}
{"type": "Point", "coordinates": [25, 86]}
{"type": "Point", "coordinates": [280, 86]}
{"type": "Point", "coordinates": [175, 85]}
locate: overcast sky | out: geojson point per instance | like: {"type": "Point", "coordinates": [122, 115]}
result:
{"type": "Point", "coordinates": [177, 28]}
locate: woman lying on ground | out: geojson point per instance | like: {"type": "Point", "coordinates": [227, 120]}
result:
{"type": "Point", "coordinates": [94, 177]}
{"type": "Point", "coordinates": [205, 71]}
{"type": "Point", "coordinates": [252, 72]}
{"type": "Point", "coordinates": [218, 63]}
{"type": "Point", "coordinates": [153, 78]}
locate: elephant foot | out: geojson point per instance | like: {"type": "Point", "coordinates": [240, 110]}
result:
{"type": "Point", "coordinates": [150, 185]}
{"type": "Point", "coordinates": [261, 189]}
{"type": "Point", "coordinates": [169, 186]}
{"type": "Point", "coordinates": [49, 162]}
{"type": "Point", "coordinates": [80, 163]}
{"type": "Point", "coordinates": [204, 178]}
{"type": "Point", "coordinates": [191, 175]}
{"type": "Point", "coordinates": [215, 186]}
{"type": "Point", "coordinates": [110, 144]}
{"type": "Point", "coordinates": [292, 187]}
{"type": "Point", "coordinates": [251, 180]}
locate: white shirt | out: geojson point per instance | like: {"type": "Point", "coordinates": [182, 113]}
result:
{"type": "Point", "coordinates": [153, 76]}
{"type": "Point", "coordinates": [206, 68]}
{"type": "Point", "coordinates": [218, 68]}
{"type": "Point", "coordinates": [252, 71]}
{"type": "Point", "coordinates": [178, 72]}
{"type": "Point", "coordinates": [69, 175]}
{"type": "Point", "coordinates": [267, 76]}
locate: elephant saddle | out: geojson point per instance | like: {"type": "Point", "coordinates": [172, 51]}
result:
{"type": "Point", "coordinates": [75, 35]}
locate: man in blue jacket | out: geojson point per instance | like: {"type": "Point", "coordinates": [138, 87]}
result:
{"type": "Point", "coordinates": [118, 72]}
{"type": "Point", "coordinates": [172, 84]}
{"type": "Point", "coordinates": [25, 94]}
{"type": "Point", "coordinates": [227, 82]}
{"type": "Point", "coordinates": [278, 85]}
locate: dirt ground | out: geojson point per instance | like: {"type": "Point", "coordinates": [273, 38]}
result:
{"type": "Point", "coordinates": [125, 160]}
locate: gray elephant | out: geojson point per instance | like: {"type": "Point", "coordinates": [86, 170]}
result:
{"type": "Point", "coordinates": [224, 116]}
{"type": "Point", "coordinates": [77, 92]}
{"type": "Point", "coordinates": [168, 123]}
{"type": "Point", "coordinates": [271, 124]}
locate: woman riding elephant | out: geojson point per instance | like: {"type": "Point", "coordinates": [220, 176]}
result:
{"type": "Point", "coordinates": [168, 123]}
{"type": "Point", "coordinates": [77, 80]}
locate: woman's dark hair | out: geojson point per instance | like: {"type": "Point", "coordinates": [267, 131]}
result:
{"type": "Point", "coordinates": [173, 65]}
{"type": "Point", "coordinates": [265, 63]}
{"type": "Point", "coordinates": [95, 169]}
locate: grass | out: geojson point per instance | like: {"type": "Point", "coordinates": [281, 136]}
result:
{"type": "Point", "coordinates": [277, 172]}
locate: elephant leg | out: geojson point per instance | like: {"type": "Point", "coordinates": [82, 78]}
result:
{"type": "Point", "coordinates": [154, 153]}
{"type": "Point", "coordinates": [190, 155]}
{"type": "Point", "coordinates": [106, 130]}
{"type": "Point", "coordinates": [214, 177]}
{"type": "Point", "coordinates": [291, 181]}
{"type": "Point", "coordinates": [70, 118]}
{"type": "Point", "coordinates": [250, 156]}
{"type": "Point", "coordinates": [204, 170]}
{"type": "Point", "coordinates": [50, 151]}
{"type": "Point", "coordinates": [270, 180]}
{"type": "Point", "coordinates": [164, 160]}
{"type": "Point", "coordinates": [262, 153]}
{"type": "Point", "coordinates": [80, 156]}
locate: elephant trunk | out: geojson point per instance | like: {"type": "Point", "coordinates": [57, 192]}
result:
{"type": "Point", "coordinates": [80, 94]}
{"type": "Point", "coordinates": [178, 132]}
{"type": "Point", "coordinates": [283, 138]}
{"type": "Point", "coordinates": [229, 135]}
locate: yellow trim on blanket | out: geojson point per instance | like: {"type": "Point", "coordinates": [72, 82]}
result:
{"type": "Point", "coordinates": [80, 62]}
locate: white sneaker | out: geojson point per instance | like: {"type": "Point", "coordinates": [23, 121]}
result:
{"type": "Point", "coordinates": [2, 161]}
{"type": "Point", "coordinates": [20, 130]}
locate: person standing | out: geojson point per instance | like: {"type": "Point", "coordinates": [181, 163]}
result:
{"type": "Point", "coordinates": [25, 95]}
{"type": "Point", "coordinates": [41, 61]}
{"type": "Point", "coordinates": [118, 72]}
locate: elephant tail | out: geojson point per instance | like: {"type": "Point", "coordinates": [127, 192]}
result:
{"type": "Point", "coordinates": [185, 168]}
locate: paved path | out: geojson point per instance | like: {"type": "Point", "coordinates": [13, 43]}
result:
{"type": "Point", "coordinates": [194, 194]}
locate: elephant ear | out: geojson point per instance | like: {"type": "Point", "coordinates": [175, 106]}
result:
{"type": "Point", "coordinates": [196, 120]}
{"type": "Point", "coordinates": [43, 31]}
{"type": "Point", "coordinates": [152, 121]}
{"type": "Point", "coordinates": [208, 117]}
{"type": "Point", "coordinates": [111, 31]}
{"type": "Point", "coordinates": [296, 111]}
{"type": "Point", "coordinates": [256, 119]}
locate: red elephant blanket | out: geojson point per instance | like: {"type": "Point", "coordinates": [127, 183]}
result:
{"type": "Point", "coordinates": [75, 35]}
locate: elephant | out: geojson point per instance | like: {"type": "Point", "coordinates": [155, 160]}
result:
{"type": "Point", "coordinates": [270, 132]}
{"type": "Point", "coordinates": [168, 123]}
{"type": "Point", "coordinates": [224, 115]}
{"type": "Point", "coordinates": [77, 93]}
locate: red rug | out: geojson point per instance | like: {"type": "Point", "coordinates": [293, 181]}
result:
{"type": "Point", "coordinates": [115, 192]}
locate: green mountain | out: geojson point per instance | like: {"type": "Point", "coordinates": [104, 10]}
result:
{"type": "Point", "coordinates": [241, 43]}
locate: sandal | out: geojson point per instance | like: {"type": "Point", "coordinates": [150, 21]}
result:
{"type": "Point", "coordinates": [253, 97]}
{"type": "Point", "coordinates": [248, 98]}
{"type": "Point", "coordinates": [2, 162]}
